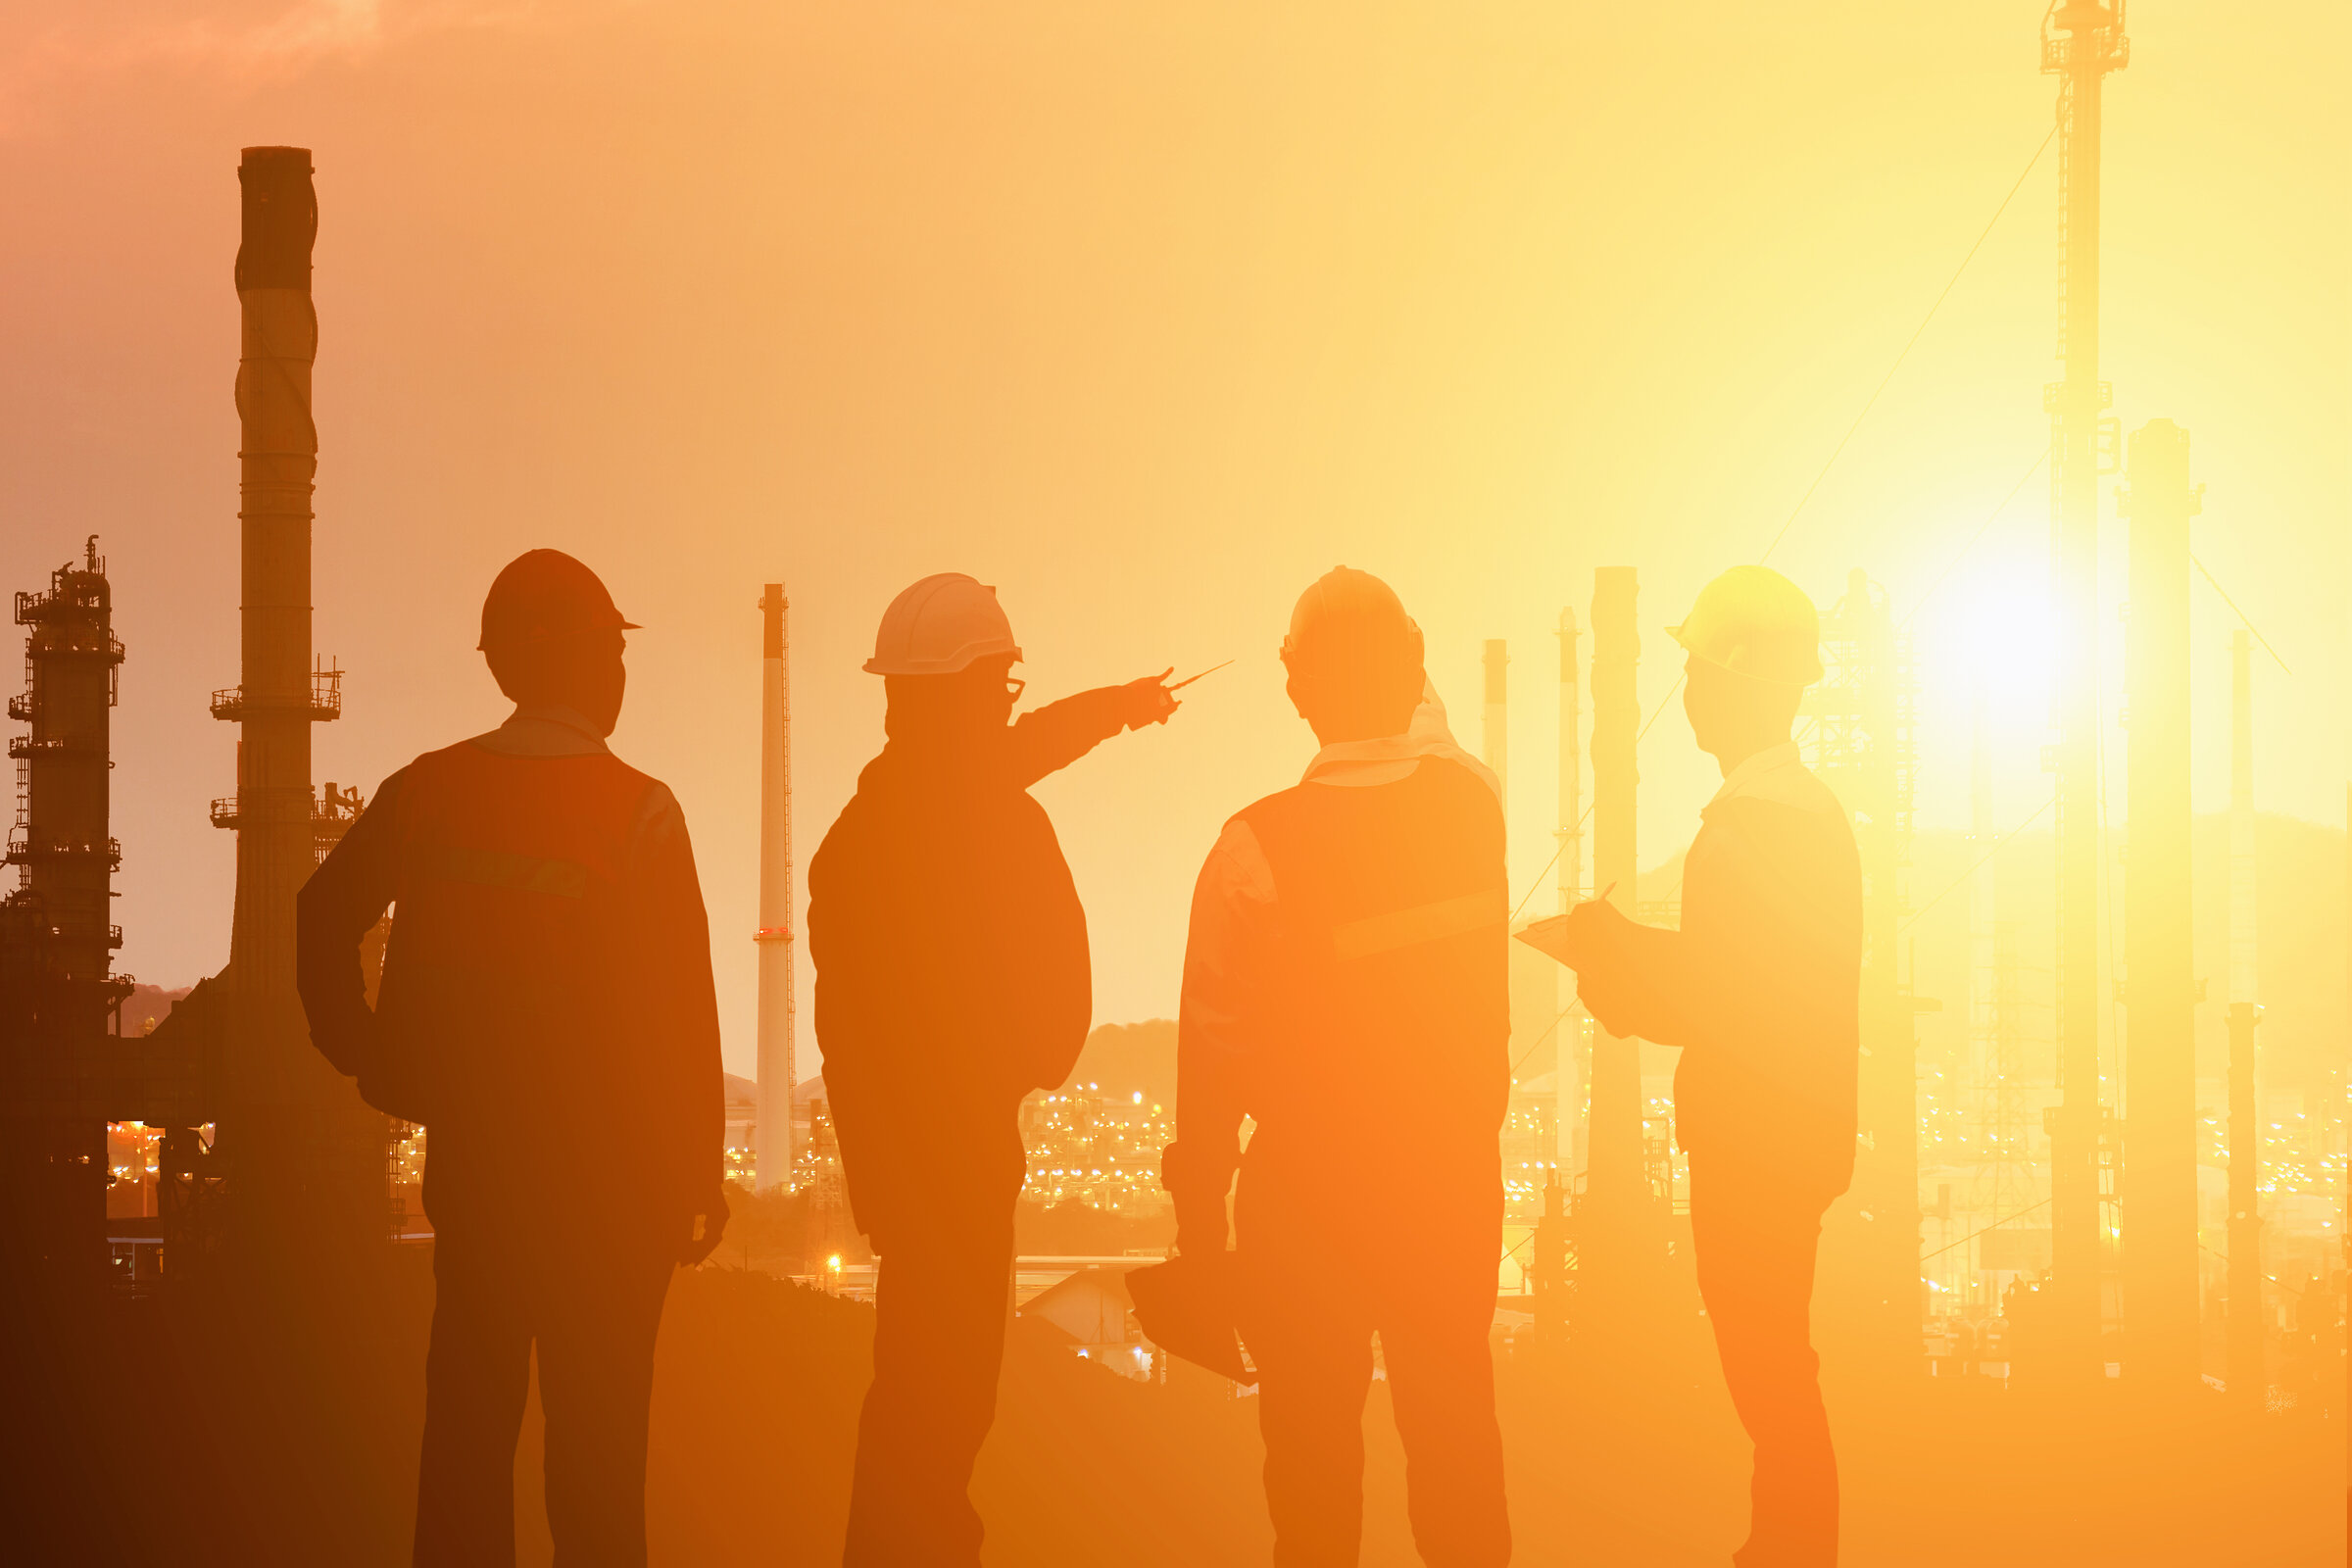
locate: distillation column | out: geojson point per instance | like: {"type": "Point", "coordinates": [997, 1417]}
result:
{"type": "Point", "coordinates": [1569, 1033]}
{"type": "Point", "coordinates": [57, 938]}
{"type": "Point", "coordinates": [2248, 1375]}
{"type": "Point", "coordinates": [2158, 1188]}
{"type": "Point", "coordinates": [2082, 43]}
{"type": "Point", "coordinates": [772, 1153]}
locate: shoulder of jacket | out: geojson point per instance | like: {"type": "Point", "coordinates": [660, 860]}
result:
{"type": "Point", "coordinates": [1809, 828]}
{"type": "Point", "coordinates": [1454, 779]}
{"type": "Point", "coordinates": [1794, 787]}
{"type": "Point", "coordinates": [1267, 806]}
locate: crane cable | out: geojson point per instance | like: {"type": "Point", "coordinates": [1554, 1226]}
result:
{"type": "Point", "coordinates": [1916, 332]}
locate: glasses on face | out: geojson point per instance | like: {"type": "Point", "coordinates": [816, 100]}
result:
{"type": "Point", "coordinates": [1013, 688]}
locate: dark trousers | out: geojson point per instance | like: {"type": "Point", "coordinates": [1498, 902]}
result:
{"type": "Point", "coordinates": [593, 1307]}
{"type": "Point", "coordinates": [1311, 1309]}
{"type": "Point", "coordinates": [1755, 1244]}
{"type": "Point", "coordinates": [942, 1295]}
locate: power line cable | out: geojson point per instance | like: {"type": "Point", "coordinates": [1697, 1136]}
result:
{"type": "Point", "coordinates": [1994, 1226]}
{"type": "Point", "coordinates": [1916, 332]}
{"type": "Point", "coordinates": [2239, 613]}
{"type": "Point", "coordinates": [1839, 449]}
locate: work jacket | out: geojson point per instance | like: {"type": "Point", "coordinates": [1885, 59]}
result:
{"type": "Point", "coordinates": [546, 1008]}
{"type": "Point", "coordinates": [1761, 986]}
{"type": "Point", "coordinates": [952, 973]}
{"type": "Point", "coordinates": [1346, 986]}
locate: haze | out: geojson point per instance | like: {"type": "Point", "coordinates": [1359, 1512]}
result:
{"type": "Point", "coordinates": [1146, 316]}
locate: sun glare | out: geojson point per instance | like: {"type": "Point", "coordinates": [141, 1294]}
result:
{"type": "Point", "coordinates": [1995, 636]}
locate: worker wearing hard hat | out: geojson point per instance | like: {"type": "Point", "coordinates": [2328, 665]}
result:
{"type": "Point", "coordinates": [546, 1009]}
{"type": "Point", "coordinates": [1346, 984]}
{"type": "Point", "coordinates": [951, 979]}
{"type": "Point", "coordinates": [1760, 988]}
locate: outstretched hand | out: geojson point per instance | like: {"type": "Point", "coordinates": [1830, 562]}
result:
{"type": "Point", "coordinates": [1147, 701]}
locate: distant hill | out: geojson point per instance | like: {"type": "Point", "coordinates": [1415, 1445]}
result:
{"type": "Point", "coordinates": [2299, 905]}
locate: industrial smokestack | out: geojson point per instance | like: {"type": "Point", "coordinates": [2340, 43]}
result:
{"type": "Point", "coordinates": [1496, 736]}
{"type": "Point", "coordinates": [1613, 1138]}
{"type": "Point", "coordinates": [2083, 44]}
{"type": "Point", "coordinates": [773, 1152]}
{"type": "Point", "coordinates": [2158, 1188]}
{"type": "Point", "coordinates": [2250, 1373]}
{"type": "Point", "coordinates": [278, 457]}
{"type": "Point", "coordinates": [1569, 1078]}
{"type": "Point", "coordinates": [307, 1156]}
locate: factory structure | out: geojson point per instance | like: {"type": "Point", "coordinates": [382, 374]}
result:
{"type": "Point", "coordinates": [268, 1161]}
{"type": "Point", "coordinates": [60, 999]}
{"type": "Point", "coordinates": [2070, 1209]}
{"type": "Point", "coordinates": [293, 1150]}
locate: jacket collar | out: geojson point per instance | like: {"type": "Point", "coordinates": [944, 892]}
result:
{"type": "Point", "coordinates": [1389, 757]}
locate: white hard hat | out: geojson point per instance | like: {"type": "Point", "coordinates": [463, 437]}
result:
{"type": "Point", "coordinates": [939, 626]}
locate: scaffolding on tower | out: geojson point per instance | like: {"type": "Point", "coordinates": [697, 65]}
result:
{"type": "Point", "coordinates": [1859, 730]}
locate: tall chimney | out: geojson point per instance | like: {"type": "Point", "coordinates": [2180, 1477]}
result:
{"type": "Point", "coordinates": [1569, 1078]}
{"type": "Point", "coordinates": [277, 457]}
{"type": "Point", "coordinates": [2248, 1371]}
{"type": "Point", "coordinates": [776, 1069]}
{"type": "Point", "coordinates": [2158, 1187]}
{"type": "Point", "coordinates": [306, 1157]}
{"type": "Point", "coordinates": [1613, 1138]}
{"type": "Point", "coordinates": [1496, 736]}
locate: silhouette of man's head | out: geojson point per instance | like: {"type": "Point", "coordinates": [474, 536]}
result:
{"type": "Point", "coordinates": [553, 637]}
{"type": "Point", "coordinates": [1734, 717]}
{"type": "Point", "coordinates": [1353, 657]}
{"type": "Point", "coordinates": [1755, 644]}
{"type": "Point", "coordinates": [970, 704]}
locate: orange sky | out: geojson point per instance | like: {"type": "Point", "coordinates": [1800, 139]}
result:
{"type": "Point", "coordinates": [1147, 315]}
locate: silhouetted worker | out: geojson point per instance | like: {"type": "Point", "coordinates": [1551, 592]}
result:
{"type": "Point", "coordinates": [1762, 989]}
{"type": "Point", "coordinates": [547, 1011]}
{"type": "Point", "coordinates": [1345, 983]}
{"type": "Point", "coordinates": [952, 978]}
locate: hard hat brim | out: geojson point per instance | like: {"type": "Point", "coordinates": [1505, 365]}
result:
{"type": "Point", "coordinates": [954, 663]}
{"type": "Point", "coordinates": [1820, 670]}
{"type": "Point", "coordinates": [483, 646]}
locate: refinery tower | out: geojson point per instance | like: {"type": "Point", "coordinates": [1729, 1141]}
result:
{"type": "Point", "coordinates": [298, 1160]}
